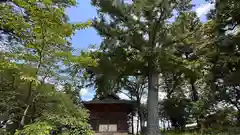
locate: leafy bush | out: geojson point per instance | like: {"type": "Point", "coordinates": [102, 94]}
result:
{"type": "Point", "coordinates": [59, 116]}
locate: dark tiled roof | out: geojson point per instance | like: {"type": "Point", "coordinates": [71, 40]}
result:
{"type": "Point", "coordinates": [110, 96]}
{"type": "Point", "coordinates": [109, 99]}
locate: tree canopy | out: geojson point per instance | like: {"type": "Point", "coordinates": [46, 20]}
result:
{"type": "Point", "coordinates": [35, 47]}
{"type": "Point", "coordinates": [179, 69]}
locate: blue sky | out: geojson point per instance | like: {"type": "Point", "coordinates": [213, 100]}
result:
{"type": "Point", "coordinates": [83, 38]}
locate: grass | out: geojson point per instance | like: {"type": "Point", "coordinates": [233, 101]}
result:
{"type": "Point", "coordinates": [222, 131]}
{"type": "Point", "coordinates": [186, 133]}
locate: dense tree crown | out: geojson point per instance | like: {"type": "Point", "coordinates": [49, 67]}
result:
{"type": "Point", "coordinates": [34, 46]}
{"type": "Point", "coordinates": [166, 45]}
{"type": "Point", "coordinates": [158, 50]}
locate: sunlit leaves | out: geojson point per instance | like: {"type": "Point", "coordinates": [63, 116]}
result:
{"type": "Point", "coordinates": [30, 79]}
{"type": "Point", "coordinates": [39, 128]}
{"type": "Point", "coordinates": [83, 60]}
{"type": "Point", "coordinates": [82, 25]}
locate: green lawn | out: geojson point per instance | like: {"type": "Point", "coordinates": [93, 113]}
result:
{"type": "Point", "coordinates": [222, 131]}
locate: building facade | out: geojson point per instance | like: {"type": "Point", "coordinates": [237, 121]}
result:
{"type": "Point", "coordinates": [109, 115]}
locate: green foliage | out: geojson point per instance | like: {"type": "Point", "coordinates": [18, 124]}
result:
{"type": "Point", "coordinates": [182, 107]}
{"type": "Point", "coordinates": [58, 114]}
{"type": "Point", "coordinates": [50, 109]}
{"type": "Point", "coordinates": [197, 63]}
{"type": "Point", "coordinates": [35, 37]}
{"type": "Point", "coordinates": [41, 128]}
{"type": "Point", "coordinates": [191, 56]}
{"type": "Point", "coordinates": [140, 40]}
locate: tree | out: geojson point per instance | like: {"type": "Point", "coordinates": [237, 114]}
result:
{"type": "Point", "coordinates": [35, 39]}
{"type": "Point", "coordinates": [135, 89]}
{"type": "Point", "coordinates": [138, 40]}
{"type": "Point", "coordinates": [228, 36]}
{"type": "Point", "coordinates": [51, 109]}
{"type": "Point", "coordinates": [225, 59]}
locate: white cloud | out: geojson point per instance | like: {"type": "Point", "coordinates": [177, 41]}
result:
{"type": "Point", "coordinates": [144, 99]}
{"type": "Point", "coordinates": [83, 92]}
{"type": "Point", "coordinates": [128, 1]}
{"type": "Point", "coordinates": [204, 9]}
{"type": "Point", "coordinates": [92, 49]}
{"type": "Point", "coordinates": [123, 96]}
{"type": "Point", "coordinates": [161, 95]}
{"type": "Point", "coordinates": [87, 98]}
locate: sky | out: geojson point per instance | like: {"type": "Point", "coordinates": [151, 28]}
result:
{"type": "Point", "coordinates": [83, 38]}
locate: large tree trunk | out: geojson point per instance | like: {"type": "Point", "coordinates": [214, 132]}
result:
{"type": "Point", "coordinates": [152, 104]}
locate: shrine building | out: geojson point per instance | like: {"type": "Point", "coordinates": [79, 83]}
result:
{"type": "Point", "coordinates": [109, 115]}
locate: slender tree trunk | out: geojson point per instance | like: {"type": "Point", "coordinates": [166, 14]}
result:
{"type": "Point", "coordinates": [138, 123]}
{"type": "Point", "coordinates": [141, 118]}
{"type": "Point", "coordinates": [152, 104]}
{"type": "Point", "coordinates": [132, 123]}
{"type": "Point", "coordinates": [141, 122]}
{"type": "Point", "coordinates": [169, 127]}
{"type": "Point", "coordinates": [238, 117]}
{"type": "Point", "coordinates": [132, 118]}
{"type": "Point", "coordinates": [28, 99]}
{"type": "Point", "coordinates": [13, 82]}
{"type": "Point", "coordinates": [24, 117]}
{"type": "Point", "coordinates": [164, 125]}
{"type": "Point", "coordinates": [22, 123]}
{"type": "Point", "coordinates": [33, 111]}
{"type": "Point", "coordinates": [140, 114]}
{"type": "Point", "coordinates": [195, 98]}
